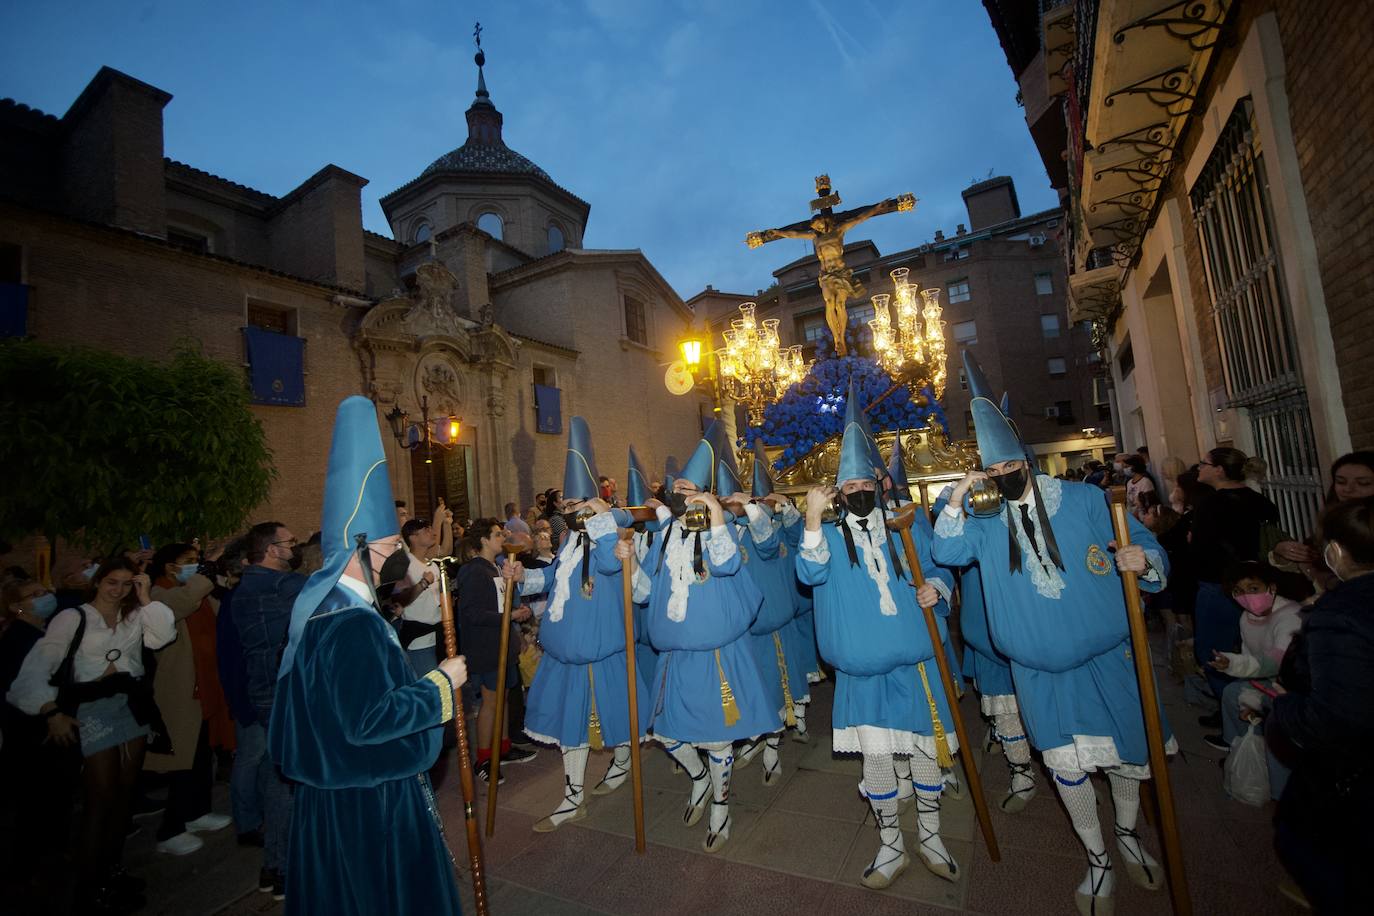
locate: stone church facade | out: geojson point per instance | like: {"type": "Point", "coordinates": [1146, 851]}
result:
{"type": "Point", "coordinates": [482, 293]}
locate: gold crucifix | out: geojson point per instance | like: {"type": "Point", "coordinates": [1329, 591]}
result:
{"type": "Point", "coordinates": [826, 232]}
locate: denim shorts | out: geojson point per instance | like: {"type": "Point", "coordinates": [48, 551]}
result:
{"type": "Point", "coordinates": [107, 723]}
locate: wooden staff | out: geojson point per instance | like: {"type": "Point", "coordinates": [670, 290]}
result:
{"type": "Point", "coordinates": [479, 881]}
{"type": "Point", "coordinates": [499, 726]}
{"type": "Point", "coordinates": [1154, 729]}
{"type": "Point", "coordinates": [902, 524]}
{"type": "Point", "coordinates": [636, 774]}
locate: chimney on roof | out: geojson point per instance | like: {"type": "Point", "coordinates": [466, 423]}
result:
{"type": "Point", "coordinates": [991, 202]}
{"type": "Point", "coordinates": [961, 230]}
{"type": "Point", "coordinates": [939, 235]}
{"type": "Point", "coordinates": [709, 289]}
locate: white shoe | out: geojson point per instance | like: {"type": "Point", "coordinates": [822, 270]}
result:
{"type": "Point", "coordinates": [209, 823]}
{"type": "Point", "coordinates": [183, 844]}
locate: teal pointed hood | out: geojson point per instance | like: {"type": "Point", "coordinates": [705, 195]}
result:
{"type": "Point", "coordinates": [579, 468]}
{"type": "Point", "coordinates": [727, 468]}
{"type": "Point", "coordinates": [672, 470]}
{"type": "Point", "coordinates": [357, 501]}
{"type": "Point", "coordinates": [701, 467]}
{"type": "Point", "coordinates": [998, 438]}
{"type": "Point", "coordinates": [859, 454]}
{"type": "Point", "coordinates": [763, 480]}
{"type": "Point", "coordinates": [896, 469]}
{"type": "Point", "coordinates": [636, 484]}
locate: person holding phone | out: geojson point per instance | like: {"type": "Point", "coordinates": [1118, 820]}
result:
{"type": "Point", "coordinates": [85, 676]}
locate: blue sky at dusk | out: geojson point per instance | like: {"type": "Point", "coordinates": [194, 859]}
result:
{"type": "Point", "coordinates": [685, 123]}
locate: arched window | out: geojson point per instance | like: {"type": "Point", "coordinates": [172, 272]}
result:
{"type": "Point", "coordinates": [423, 233]}
{"type": "Point", "coordinates": [491, 224]}
{"type": "Point", "coordinates": [556, 242]}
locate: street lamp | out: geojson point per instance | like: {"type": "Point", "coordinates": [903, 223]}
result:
{"type": "Point", "coordinates": [691, 354]}
{"type": "Point", "coordinates": [411, 436]}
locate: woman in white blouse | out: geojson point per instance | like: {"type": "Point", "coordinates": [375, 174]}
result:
{"type": "Point", "coordinates": [107, 669]}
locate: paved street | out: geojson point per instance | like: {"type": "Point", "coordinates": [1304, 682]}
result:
{"type": "Point", "coordinates": [804, 841]}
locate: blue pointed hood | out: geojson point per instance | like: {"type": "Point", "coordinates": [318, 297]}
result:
{"type": "Point", "coordinates": [701, 467]}
{"type": "Point", "coordinates": [998, 439]}
{"type": "Point", "coordinates": [727, 468]}
{"type": "Point", "coordinates": [579, 468]}
{"type": "Point", "coordinates": [859, 455]}
{"type": "Point", "coordinates": [636, 484]}
{"type": "Point", "coordinates": [672, 470]}
{"type": "Point", "coordinates": [357, 500]}
{"type": "Point", "coordinates": [896, 469]}
{"type": "Point", "coordinates": [763, 479]}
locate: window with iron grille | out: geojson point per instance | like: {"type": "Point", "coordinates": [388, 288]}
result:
{"type": "Point", "coordinates": [1234, 217]}
{"type": "Point", "coordinates": [634, 321]}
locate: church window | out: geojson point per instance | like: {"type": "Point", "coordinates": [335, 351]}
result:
{"type": "Point", "coordinates": [491, 224]}
{"type": "Point", "coordinates": [556, 243]}
{"type": "Point", "coordinates": [635, 328]}
{"type": "Point", "coordinates": [423, 233]}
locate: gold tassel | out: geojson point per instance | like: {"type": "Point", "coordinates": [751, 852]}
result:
{"type": "Point", "coordinates": [727, 697]}
{"type": "Point", "coordinates": [593, 721]}
{"type": "Point", "coordinates": [943, 757]}
{"type": "Point", "coordinates": [786, 686]}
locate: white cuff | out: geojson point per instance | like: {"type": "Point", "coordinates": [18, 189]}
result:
{"type": "Point", "coordinates": [533, 583]}
{"type": "Point", "coordinates": [721, 546]}
{"type": "Point", "coordinates": [790, 514]}
{"type": "Point", "coordinates": [943, 588]}
{"type": "Point", "coordinates": [951, 509]}
{"type": "Point", "coordinates": [664, 514]}
{"type": "Point", "coordinates": [600, 525]}
{"type": "Point", "coordinates": [760, 522]}
{"type": "Point", "coordinates": [812, 539]}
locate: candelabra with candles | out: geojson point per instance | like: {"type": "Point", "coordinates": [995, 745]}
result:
{"type": "Point", "coordinates": [755, 369]}
{"type": "Point", "coordinates": [910, 348]}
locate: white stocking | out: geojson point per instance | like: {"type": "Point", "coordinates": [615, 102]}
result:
{"type": "Point", "coordinates": [1126, 800]}
{"type": "Point", "coordinates": [721, 760]}
{"type": "Point", "coordinates": [574, 771]}
{"type": "Point", "coordinates": [617, 772]}
{"type": "Point", "coordinates": [880, 787]}
{"type": "Point", "coordinates": [689, 759]}
{"type": "Point", "coordinates": [799, 713]}
{"type": "Point", "coordinates": [1081, 802]}
{"type": "Point", "coordinates": [905, 790]}
{"type": "Point", "coordinates": [925, 774]}
{"type": "Point", "coordinates": [1017, 750]}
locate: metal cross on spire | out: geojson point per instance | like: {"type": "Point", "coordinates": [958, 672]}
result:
{"type": "Point", "coordinates": [477, 35]}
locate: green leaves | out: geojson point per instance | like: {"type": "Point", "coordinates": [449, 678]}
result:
{"type": "Point", "coordinates": [98, 448]}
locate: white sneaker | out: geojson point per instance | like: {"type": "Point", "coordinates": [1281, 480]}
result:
{"type": "Point", "coordinates": [183, 844]}
{"type": "Point", "coordinates": [209, 823]}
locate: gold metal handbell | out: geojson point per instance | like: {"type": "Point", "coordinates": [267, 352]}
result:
{"type": "Point", "coordinates": [983, 499]}
{"type": "Point", "coordinates": [696, 518]}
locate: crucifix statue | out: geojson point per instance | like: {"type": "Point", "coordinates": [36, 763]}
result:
{"type": "Point", "coordinates": [826, 232]}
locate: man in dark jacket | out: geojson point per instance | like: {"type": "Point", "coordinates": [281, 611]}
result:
{"type": "Point", "coordinates": [260, 611]}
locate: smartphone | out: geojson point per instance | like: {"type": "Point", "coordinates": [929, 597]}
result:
{"type": "Point", "coordinates": [145, 542]}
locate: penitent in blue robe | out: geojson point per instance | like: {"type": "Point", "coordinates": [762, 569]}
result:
{"type": "Point", "coordinates": [583, 636]}
{"type": "Point", "coordinates": [356, 730]}
{"type": "Point", "coordinates": [799, 636]}
{"type": "Point", "coordinates": [701, 633]}
{"type": "Point", "coordinates": [646, 657]}
{"type": "Point", "coordinates": [876, 641]}
{"type": "Point", "coordinates": [988, 668]}
{"type": "Point", "coordinates": [770, 564]}
{"type": "Point", "coordinates": [1064, 632]}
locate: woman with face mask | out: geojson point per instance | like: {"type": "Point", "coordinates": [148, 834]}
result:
{"type": "Point", "coordinates": [1324, 817]}
{"type": "Point", "coordinates": [186, 685]}
{"type": "Point", "coordinates": [1352, 477]}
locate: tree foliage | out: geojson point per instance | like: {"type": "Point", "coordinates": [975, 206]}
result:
{"type": "Point", "coordinates": [813, 410]}
{"type": "Point", "coordinates": [99, 448]}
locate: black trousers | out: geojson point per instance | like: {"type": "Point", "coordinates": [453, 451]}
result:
{"type": "Point", "coordinates": [188, 791]}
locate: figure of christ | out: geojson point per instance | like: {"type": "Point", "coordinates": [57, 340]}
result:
{"type": "Point", "coordinates": [826, 232]}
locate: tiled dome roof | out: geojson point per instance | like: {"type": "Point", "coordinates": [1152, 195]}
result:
{"type": "Point", "coordinates": [482, 157]}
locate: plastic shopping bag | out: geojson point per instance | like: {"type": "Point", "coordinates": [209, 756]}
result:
{"type": "Point", "coordinates": [1247, 769]}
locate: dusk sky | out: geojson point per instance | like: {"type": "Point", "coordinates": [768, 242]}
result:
{"type": "Point", "coordinates": [685, 123]}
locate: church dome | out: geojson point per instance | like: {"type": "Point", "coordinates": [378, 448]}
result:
{"type": "Point", "coordinates": [473, 156]}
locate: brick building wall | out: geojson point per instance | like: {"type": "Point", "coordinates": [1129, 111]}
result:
{"type": "Point", "coordinates": [1330, 84]}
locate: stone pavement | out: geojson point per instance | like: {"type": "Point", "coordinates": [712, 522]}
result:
{"type": "Point", "coordinates": [801, 844]}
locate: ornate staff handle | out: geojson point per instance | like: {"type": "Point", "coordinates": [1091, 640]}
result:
{"type": "Point", "coordinates": [479, 881]}
{"type": "Point", "coordinates": [902, 524]}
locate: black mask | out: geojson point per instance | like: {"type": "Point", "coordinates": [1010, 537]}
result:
{"type": "Point", "coordinates": [297, 557]}
{"type": "Point", "coordinates": [393, 571]}
{"type": "Point", "coordinates": [677, 503]}
{"type": "Point", "coordinates": [1011, 484]}
{"type": "Point", "coordinates": [861, 502]}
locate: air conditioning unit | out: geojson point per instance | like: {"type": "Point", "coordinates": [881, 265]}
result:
{"type": "Point", "coordinates": [1051, 413]}
{"type": "Point", "coordinates": [1036, 241]}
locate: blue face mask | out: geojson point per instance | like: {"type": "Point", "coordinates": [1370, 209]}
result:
{"type": "Point", "coordinates": [44, 606]}
{"type": "Point", "coordinates": [90, 571]}
{"type": "Point", "coordinates": [186, 571]}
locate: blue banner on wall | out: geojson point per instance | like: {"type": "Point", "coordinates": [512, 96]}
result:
{"type": "Point", "coordinates": [276, 367]}
{"type": "Point", "coordinates": [548, 409]}
{"type": "Point", "coordinates": [14, 309]}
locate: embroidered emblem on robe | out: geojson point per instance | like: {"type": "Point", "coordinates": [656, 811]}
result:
{"type": "Point", "coordinates": [1098, 563]}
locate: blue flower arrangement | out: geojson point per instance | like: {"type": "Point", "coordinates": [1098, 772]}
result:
{"type": "Point", "coordinates": [813, 410]}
